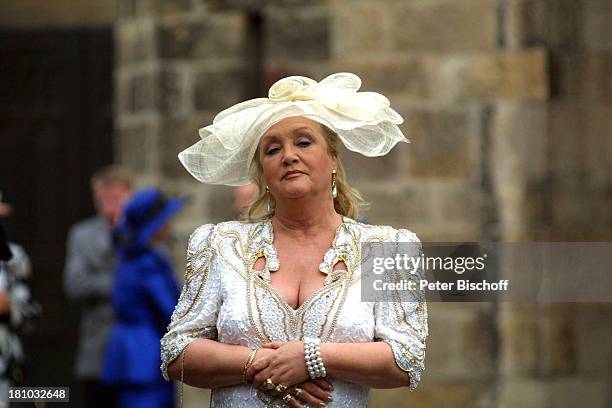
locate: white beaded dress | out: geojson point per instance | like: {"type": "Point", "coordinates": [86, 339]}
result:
{"type": "Point", "coordinates": [225, 299]}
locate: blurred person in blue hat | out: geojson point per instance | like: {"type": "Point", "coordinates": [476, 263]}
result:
{"type": "Point", "coordinates": [144, 295]}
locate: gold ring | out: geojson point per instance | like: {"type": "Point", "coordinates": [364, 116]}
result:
{"type": "Point", "coordinates": [281, 388]}
{"type": "Point", "coordinates": [287, 398]}
{"type": "Point", "coordinates": [298, 391]}
{"type": "Point", "coordinates": [269, 385]}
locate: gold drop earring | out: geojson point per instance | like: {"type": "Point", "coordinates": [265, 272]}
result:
{"type": "Point", "coordinates": [333, 185]}
{"type": "Point", "coordinates": [269, 199]}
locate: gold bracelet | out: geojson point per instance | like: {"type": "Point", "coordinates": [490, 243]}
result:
{"type": "Point", "coordinates": [248, 364]}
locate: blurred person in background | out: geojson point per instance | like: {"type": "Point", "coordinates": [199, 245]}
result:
{"type": "Point", "coordinates": [17, 308]}
{"type": "Point", "coordinates": [243, 198]}
{"type": "Point", "coordinates": [88, 272]}
{"type": "Point", "coordinates": [144, 294]}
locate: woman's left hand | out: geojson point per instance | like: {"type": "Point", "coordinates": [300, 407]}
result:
{"type": "Point", "coordinates": [285, 367]}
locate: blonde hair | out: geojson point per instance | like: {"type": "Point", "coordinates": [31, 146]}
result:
{"type": "Point", "coordinates": [348, 201]}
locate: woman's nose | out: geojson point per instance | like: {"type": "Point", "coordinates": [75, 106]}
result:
{"type": "Point", "coordinates": [290, 156]}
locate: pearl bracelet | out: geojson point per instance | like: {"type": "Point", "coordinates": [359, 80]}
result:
{"type": "Point", "coordinates": [312, 356]}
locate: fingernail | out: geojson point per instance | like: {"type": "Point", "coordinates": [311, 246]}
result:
{"type": "Point", "coordinates": [329, 397]}
{"type": "Point", "coordinates": [322, 404]}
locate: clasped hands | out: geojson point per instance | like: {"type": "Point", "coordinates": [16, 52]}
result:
{"type": "Point", "coordinates": [284, 364]}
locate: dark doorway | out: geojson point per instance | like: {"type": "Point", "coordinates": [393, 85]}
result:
{"type": "Point", "coordinates": [55, 130]}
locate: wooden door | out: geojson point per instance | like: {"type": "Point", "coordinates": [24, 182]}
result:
{"type": "Point", "coordinates": [55, 130]}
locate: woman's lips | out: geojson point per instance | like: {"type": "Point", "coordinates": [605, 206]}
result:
{"type": "Point", "coordinates": [293, 174]}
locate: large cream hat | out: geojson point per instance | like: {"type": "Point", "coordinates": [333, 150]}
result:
{"type": "Point", "coordinates": [364, 121]}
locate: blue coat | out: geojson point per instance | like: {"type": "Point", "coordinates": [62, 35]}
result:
{"type": "Point", "coordinates": [144, 294]}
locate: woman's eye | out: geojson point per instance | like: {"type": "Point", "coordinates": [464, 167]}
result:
{"type": "Point", "coordinates": [272, 150]}
{"type": "Point", "coordinates": [304, 143]}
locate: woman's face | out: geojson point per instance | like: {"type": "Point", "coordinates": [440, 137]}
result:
{"type": "Point", "coordinates": [295, 159]}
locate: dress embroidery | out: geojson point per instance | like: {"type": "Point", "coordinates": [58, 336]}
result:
{"type": "Point", "coordinates": [225, 298]}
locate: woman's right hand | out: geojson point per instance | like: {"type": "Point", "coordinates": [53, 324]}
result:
{"type": "Point", "coordinates": [261, 361]}
{"type": "Point", "coordinates": [313, 392]}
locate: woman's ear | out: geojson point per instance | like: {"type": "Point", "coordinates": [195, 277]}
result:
{"type": "Point", "coordinates": [334, 162]}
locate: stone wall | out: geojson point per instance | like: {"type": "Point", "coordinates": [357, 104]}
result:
{"type": "Point", "coordinates": [507, 106]}
{"type": "Point", "coordinates": [32, 14]}
{"type": "Point", "coordinates": [553, 184]}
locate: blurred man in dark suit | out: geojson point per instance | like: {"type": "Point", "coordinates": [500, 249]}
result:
{"type": "Point", "coordinates": [88, 273]}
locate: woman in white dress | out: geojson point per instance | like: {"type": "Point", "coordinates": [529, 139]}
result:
{"type": "Point", "coordinates": [271, 313]}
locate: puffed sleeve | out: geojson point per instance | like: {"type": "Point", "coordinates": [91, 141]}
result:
{"type": "Point", "coordinates": [402, 321]}
{"type": "Point", "coordinates": [195, 315]}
